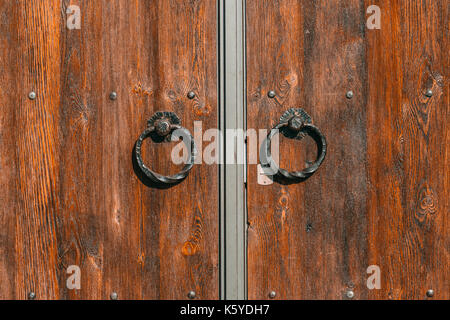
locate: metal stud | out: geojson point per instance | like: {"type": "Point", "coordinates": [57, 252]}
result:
{"type": "Point", "coordinates": [191, 295]}
{"type": "Point", "coordinates": [272, 295]}
{"type": "Point", "coordinates": [350, 294]}
{"type": "Point", "coordinates": [272, 94]}
{"type": "Point", "coordinates": [430, 293]}
{"type": "Point", "coordinates": [350, 95]}
{"type": "Point", "coordinates": [429, 93]}
{"type": "Point", "coordinates": [191, 95]}
{"type": "Point", "coordinates": [113, 95]}
{"type": "Point", "coordinates": [32, 95]}
{"type": "Point", "coordinates": [114, 296]}
{"type": "Point", "coordinates": [31, 296]}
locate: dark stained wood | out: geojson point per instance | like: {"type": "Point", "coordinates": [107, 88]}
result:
{"type": "Point", "coordinates": [381, 197]}
{"type": "Point", "coordinates": [69, 192]}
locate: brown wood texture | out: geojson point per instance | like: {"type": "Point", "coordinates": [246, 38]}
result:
{"type": "Point", "coordinates": [381, 196]}
{"type": "Point", "coordinates": [69, 193]}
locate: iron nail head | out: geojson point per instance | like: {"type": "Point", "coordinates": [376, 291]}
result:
{"type": "Point", "coordinates": [113, 95]}
{"type": "Point", "coordinates": [191, 95]}
{"type": "Point", "coordinates": [350, 294]}
{"type": "Point", "coordinates": [350, 95]}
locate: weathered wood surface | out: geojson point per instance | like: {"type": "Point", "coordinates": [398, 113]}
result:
{"type": "Point", "coordinates": [381, 197]}
{"type": "Point", "coordinates": [69, 193]}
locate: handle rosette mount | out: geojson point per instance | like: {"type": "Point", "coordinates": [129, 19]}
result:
{"type": "Point", "coordinates": [294, 124]}
{"type": "Point", "coordinates": [160, 128]}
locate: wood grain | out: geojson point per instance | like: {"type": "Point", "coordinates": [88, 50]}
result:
{"type": "Point", "coordinates": [381, 197]}
{"type": "Point", "coordinates": [408, 139]}
{"type": "Point", "coordinates": [71, 196]}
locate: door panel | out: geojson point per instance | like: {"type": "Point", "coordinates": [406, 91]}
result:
{"type": "Point", "coordinates": [70, 195]}
{"type": "Point", "coordinates": [381, 196]}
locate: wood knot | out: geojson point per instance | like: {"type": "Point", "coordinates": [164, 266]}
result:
{"type": "Point", "coordinates": [139, 90]}
{"type": "Point", "coordinates": [201, 109]}
{"type": "Point", "coordinates": [192, 246]}
{"type": "Point", "coordinates": [189, 249]}
{"type": "Point", "coordinates": [427, 203]}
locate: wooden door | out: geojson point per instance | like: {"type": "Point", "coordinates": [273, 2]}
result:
{"type": "Point", "coordinates": [70, 195]}
{"type": "Point", "coordinates": [381, 196]}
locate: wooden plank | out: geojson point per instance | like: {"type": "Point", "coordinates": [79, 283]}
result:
{"type": "Point", "coordinates": [32, 44]}
{"type": "Point", "coordinates": [408, 148]}
{"type": "Point", "coordinates": [76, 198]}
{"type": "Point", "coordinates": [315, 240]}
{"type": "Point", "coordinates": [8, 197]}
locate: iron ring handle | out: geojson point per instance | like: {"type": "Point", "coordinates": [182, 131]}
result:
{"type": "Point", "coordinates": [294, 124]}
{"type": "Point", "coordinates": [160, 128]}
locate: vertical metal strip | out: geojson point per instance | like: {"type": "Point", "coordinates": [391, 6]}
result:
{"type": "Point", "coordinates": [232, 116]}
